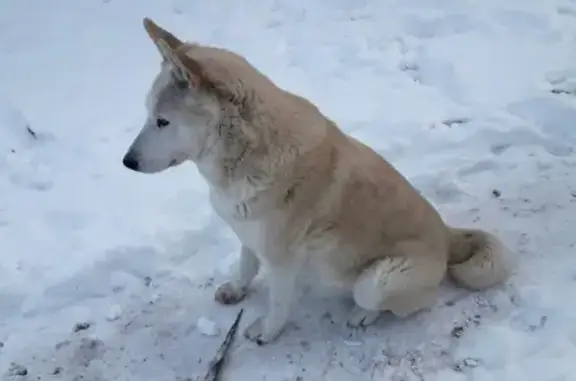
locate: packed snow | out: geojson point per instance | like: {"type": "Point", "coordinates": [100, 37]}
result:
{"type": "Point", "coordinates": [107, 274]}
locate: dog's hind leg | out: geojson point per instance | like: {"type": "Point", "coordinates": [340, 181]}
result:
{"type": "Point", "coordinates": [402, 284]}
{"type": "Point", "coordinates": [235, 290]}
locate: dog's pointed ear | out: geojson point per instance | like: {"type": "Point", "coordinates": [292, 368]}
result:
{"type": "Point", "coordinates": [158, 34]}
{"type": "Point", "coordinates": [185, 69]}
{"type": "Point", "coordinates": [188, 69]}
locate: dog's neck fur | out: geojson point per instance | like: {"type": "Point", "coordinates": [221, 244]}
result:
{"type": "Point", "coordinates": [251, 150]}
{"type": "Point", "coordinates": [226, 158]}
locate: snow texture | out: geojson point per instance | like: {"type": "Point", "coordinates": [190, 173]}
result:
{"type": "Point", "coordinates": [104, 273]}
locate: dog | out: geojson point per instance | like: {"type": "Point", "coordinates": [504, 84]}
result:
{"type": "Point", "coordinates": [299, 193]}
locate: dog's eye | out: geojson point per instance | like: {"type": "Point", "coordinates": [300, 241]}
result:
{"type": "Point", "coordinates": [161, 122]}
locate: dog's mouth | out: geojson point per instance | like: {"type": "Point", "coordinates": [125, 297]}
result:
{"type": "Point", "coordinates": [178, 159]}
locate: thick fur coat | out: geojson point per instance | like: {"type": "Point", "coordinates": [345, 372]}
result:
{"type": "Point", "coordinates": [300, 193]}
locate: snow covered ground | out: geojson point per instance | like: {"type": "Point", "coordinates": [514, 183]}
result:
{"type": "Point", "coordinates": [104, 273]}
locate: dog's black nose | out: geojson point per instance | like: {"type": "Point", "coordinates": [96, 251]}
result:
{"type": "Point", "coordinates": [130, 162]}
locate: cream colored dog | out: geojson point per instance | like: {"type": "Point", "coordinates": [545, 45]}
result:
{"type": "Point", "coordinates": [299, 193]}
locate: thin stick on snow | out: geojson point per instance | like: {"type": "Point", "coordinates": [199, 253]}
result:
{"type": "Point", "coordinates": [217, 363]}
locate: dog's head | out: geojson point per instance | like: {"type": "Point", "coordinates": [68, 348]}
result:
{"type": "Point", "coordinates": [181, 112]}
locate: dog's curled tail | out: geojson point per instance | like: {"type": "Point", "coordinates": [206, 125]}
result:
{"type": "Point", "coordinates": [477, 259]}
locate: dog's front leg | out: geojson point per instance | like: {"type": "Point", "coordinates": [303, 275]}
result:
{"type": "Point", "coordinates": [282, 287]}
{"type": "Point", "coordinates": [235, 290]}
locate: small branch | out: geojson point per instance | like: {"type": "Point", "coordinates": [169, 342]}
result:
{"type": "Point", "coordinates": [217, 363]}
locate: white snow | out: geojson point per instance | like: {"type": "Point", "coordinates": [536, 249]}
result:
{"type": "Point", "coordinates": [472, 100]}
{"type": "Point", "coordinates": [114, 312]}
{"type": "Point", "coordinates": [207, 327]}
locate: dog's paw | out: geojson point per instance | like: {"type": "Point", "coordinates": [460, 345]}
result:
{"type": "Point", "coordinates": [229, 294]}
{"type": "Point", "coordinates": [360, 318]}
{"type": "Point", "coordinates": [258, 332]}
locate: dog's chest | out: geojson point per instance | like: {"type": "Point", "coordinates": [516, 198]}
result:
{"type": "Point", "coordinates": [238, 212]}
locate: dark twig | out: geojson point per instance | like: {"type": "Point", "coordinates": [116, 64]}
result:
{"type": "Point", "coordinates": [217, 363]}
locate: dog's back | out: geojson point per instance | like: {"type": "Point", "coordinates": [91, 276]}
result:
{"type": "Point", "coordinates": [326, 193]}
